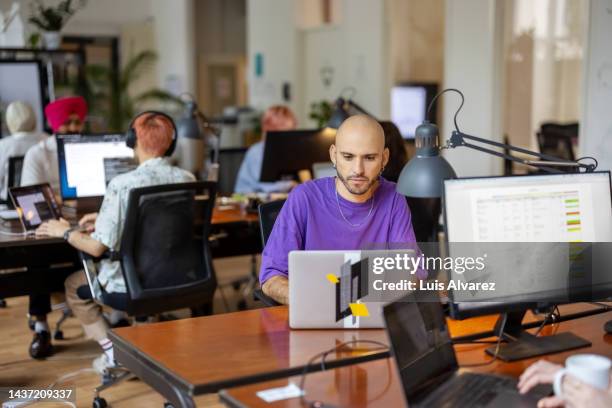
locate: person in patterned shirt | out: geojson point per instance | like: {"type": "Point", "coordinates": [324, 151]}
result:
{"type": "Point", "coordinates": [103, 230]}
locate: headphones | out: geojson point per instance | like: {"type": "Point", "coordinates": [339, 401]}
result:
{"type": "Point", "coordinates": [131, 137]}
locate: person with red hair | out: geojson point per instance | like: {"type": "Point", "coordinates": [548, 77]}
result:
{"type": "Point", "coordinates": [65, 115]}
{"type": "Point", "coordinates": [154, 136]}
{"type": "Point", "coordinates": [277, 117]}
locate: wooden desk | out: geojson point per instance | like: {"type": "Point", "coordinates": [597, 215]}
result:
{"type": "Point", "coordinates": [183, 358]}
{"type": "Point", "coordinates": [36, 254]}
{"type": "Point", "coordinates": [377, 383]}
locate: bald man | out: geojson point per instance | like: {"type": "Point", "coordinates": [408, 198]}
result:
{"type": "Point", "coordinates": [353, 210]}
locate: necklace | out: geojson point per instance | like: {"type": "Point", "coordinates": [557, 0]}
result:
{"type": "Point", "coordinates": [344, 218]}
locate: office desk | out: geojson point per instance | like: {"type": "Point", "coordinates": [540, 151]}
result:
{"type": "Point", "coordinates": [37, 254]}
{"type": "Point", "coordinates": [184, 358]}
{"type": "Point", "coordinates": [377, 383]}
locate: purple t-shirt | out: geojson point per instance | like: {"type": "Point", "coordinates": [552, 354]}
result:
{"type": "Point", "coordinates": [310, 220]}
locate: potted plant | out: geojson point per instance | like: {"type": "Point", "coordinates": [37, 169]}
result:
{"type": "Point", "coordinates": [108, 93]}
{"type": "Point", "coordinates": [51, 19]}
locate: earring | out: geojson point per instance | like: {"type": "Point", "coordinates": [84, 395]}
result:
{"type": "Point", "coordinates": [334, 165]}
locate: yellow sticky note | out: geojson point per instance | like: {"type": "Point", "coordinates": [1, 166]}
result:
{"type": "Point", "coordinates": [359, 309]}
{"type": "Point", "coordinates": [332, 278]}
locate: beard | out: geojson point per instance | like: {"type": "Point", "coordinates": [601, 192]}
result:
{"type": "Point", "coordinates": [366, 183]}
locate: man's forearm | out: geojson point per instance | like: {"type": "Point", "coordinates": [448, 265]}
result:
{"type": "Point", "coordinates": [277, 287]}
{"type": "Point", "coordinates": [83, 242]}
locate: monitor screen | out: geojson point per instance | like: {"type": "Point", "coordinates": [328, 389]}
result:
{"type": "Point", "coordinates": [35, 204]}
{"type": "Point", "coordinates": [87, 163]}
{"type": "Point", "coordinates": [22, 81]}
{"type": "Point", "coordinates": [546, 209]}
{"type": "Point", "coordinates": [409, 106]}
{"type": "Point", "coordinates": [420, 341]}
{"type": "Point", "coordinates": [288, 152]}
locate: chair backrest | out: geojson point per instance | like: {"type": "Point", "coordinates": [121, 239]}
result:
{"type": "Point", "coordinates": [267, 216]}
{"type": "Point", "coordinates": [15, 164]}
{"type": "Point", "coordinates": [229, 164]}
{"type": "Point", "coordinates": [164, 253]}
{"type": "Point", "coordinates": [557, 139]}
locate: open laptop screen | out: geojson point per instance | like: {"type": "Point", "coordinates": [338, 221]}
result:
{"type": "Point", "coordinates": [35, 205]}
{"type": "Point", "coordinates": [420, 342]}
{"type": "Point", "coordinates": [87, 163]}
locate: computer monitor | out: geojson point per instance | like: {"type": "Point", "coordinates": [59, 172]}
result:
{"type": "Point", "coordinates": [288, 152]}
{"type": "Point", "coordinates": [87, 163]}
{"type": "Point", "coordinates": [409, 103]}
{"type": "Point", "coordinates": [556, 208]}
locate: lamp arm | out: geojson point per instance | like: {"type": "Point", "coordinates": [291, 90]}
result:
{"type": "Point", "coordinates": [358, 107]}
{"type": "Point", "coordinates": [215, 130]}
{"type": "Point", "coordinates": [458, 139]}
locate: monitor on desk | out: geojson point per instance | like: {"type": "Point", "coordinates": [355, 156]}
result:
{"type": "Point", "coordinates": [87, 163]}
{"type": "Point", "coordinates": [409, 103]}
{"type": "Point", "coordinates": [288, 152]}
{"type": "Point", "coordinates": [566, 218]}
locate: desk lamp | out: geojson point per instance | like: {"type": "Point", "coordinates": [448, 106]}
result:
{"type": "Point", "coordinates": [195, 132]}
{"type": "Point", "coordinates": [343, 108]}
{"type": "Point", "coordinates": [422, 176]}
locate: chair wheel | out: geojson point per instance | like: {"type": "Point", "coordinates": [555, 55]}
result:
{"type": "Point", "coordinates": [168, 405]}
{"type": "Point", "coordinates": [58, 335]}
{"type": "Point", "coordinates": [99, 402]}
{"type": "Point", "coordinates": [31, 323]}
{"type": "Point", "coordinates": [2, 303]}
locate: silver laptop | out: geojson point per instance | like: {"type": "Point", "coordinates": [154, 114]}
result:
{"type": "Point", "coordinates": [320, 299]}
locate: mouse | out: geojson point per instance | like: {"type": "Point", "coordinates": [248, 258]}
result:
{"type": "Point", "coordinates": [608, 327]}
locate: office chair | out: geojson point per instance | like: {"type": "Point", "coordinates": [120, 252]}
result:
{"type": "Point", "coordinates": [165, 258]}
{"type": "Point", "coordinates": [267, 216]}
{"type": "Point", "coordinates": [15, 164]}
{"type": "Point", "coordinates": [557, 140]}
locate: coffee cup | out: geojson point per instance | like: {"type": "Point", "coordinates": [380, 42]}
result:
{"type": "Point", "coordinates": [591, 369]}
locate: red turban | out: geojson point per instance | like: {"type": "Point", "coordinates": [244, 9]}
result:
{"type": "Point", "coordinates": [59, 111]}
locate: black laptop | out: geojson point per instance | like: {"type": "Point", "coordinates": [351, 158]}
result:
{"type": "Point", "coordinates": [425, 357]}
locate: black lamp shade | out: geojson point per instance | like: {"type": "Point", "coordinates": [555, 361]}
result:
{"type": "Point", "coordinates": [339, 114]}
{"type": "Point", "coordinates": [422, 176]}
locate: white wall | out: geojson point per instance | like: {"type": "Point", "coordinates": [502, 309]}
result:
{"type": "Point", "coordinates": [272, 32]}
{"type": "Point", "coordinates": [474, 64]}
{"type": "Point", "coordinates": [596, 121]}
{"type": "Point", "coordinates": [175, 39]}
{"type": "Point", "coordinates": [354, 46]}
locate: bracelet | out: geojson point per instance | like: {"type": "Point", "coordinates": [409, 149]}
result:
{"type": "Point", "coordinates": [67, 233]}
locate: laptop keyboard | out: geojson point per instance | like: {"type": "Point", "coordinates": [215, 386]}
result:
{"type": "Point", "coordinates": [469, 390]}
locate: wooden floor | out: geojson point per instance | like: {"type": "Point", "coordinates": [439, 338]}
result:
{"type": "Point", "coordinates": [75, 353]}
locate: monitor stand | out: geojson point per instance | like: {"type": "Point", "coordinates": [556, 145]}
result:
{"type": "Point", "coordinates": [519, 344]}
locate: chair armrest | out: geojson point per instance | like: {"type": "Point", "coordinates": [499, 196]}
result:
{"type": "Point", "coordinates": [91, 271]}
{"type": "Point", "coordinates": [109, 255]}
{"type": "Point", "coordinates": [265, 299]}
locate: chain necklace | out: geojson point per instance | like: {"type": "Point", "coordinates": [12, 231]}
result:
{"type": "Point", "coordinates": [344, 218]}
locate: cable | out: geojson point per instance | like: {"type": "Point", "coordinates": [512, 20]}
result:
{"type": "Point", "coordinates": [323, 355]}
{"type": "Point", "coordinates": [499, 339]}
{"type": "Point", "coordinates": [554, 315]}
{"type": "Point", "coordinates": [458, 110]}
{"type": "Point", "coordinates": [589, 157]}
{"type": "Point", "coordinates": [15, 234]}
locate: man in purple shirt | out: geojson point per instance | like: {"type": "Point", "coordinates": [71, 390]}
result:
{"type": "Point", "coordinates": [357, 209]}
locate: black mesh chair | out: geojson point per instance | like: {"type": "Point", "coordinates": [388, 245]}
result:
{"type": "Point", "coordinates": [557, 139]}
{"type": "Point", "coordinates": [15, 164]}
{"type": "Point", "coordinates": [267, 216]}
{"type": "Point", "coordinates": [165, 258]}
